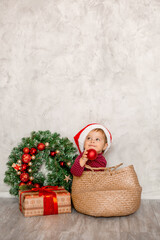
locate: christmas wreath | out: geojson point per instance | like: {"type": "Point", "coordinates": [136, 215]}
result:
{"type": "Point", "coordinates": [40, 160]}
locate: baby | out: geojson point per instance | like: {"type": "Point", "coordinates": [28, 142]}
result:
{"type": "Point", "coordinates": [93, 136]}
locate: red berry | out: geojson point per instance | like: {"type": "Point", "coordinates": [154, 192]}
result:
{"type": "Point", "coordinates": [62, 164]}
{"type": "Point", "coordinates": [29, 183]}
{"type": "Point", "coordinates": [22, 183]}
{"type": "Point", "coordinates": [37, 185]}
{"type": "Point", "coordinates": [52, 154]}
{"type": "Point", "coordinates": [33, 151]}
{"type": "Point", "coordinates": [24, 167]}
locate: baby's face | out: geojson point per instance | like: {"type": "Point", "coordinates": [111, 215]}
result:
{"type": "Point", "coordinates": [95, 140]}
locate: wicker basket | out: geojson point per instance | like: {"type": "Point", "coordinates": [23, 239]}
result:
{"type": "Point", "coordinates": [107, 193]}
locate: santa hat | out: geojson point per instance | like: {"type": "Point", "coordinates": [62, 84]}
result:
{"type": "Point", "coordinates": [80, 137]}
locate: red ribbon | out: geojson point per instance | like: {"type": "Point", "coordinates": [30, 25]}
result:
{"type": "Point", "coordinates": [49, 198]}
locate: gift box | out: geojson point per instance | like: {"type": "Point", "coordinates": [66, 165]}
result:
{"type": "Point", "coordinates": [44, 201]}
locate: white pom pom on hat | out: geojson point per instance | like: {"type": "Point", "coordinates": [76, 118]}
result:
{"type": "Point", "coordinates": [80, 137]}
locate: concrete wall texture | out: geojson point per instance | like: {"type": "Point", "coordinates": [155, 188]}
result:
{"type": "Point", "coordinates": [65, 64]}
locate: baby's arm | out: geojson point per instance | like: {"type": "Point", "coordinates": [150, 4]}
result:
{"type": "Point", "coordinates": [83, 159]}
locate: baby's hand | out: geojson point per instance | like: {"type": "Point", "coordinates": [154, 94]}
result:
{"type": "Point", "coordinates": [83, 159]}
{"type": "Point", "coordinates": [84, 156]}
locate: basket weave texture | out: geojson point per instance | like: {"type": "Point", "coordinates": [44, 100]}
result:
{"type": "Point", "coordinates": [112, 192]}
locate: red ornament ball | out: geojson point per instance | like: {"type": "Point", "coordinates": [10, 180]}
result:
{"type": "Point", "coordinates": [37, 185]}
{"type": "Point", "coordinates": [24, 177]}
{"type": "Point", "coordinates": [26, 150]}
{"type": "Point", "coordinates": [22, 183]}
{"type": "Point", "coordinates": [33, 151]}
{"type": "Point", "coordinates": [24, 167]}
{"type": "Point", "coordinates": [92, 154]}
{"type": "Point", "coordinates": [26, 158]}
{"type": "Point", "coordinates": [41, 146]}
{"type": "Point", "coordinates": [62, 164]}
{"type": "Point", "coordinates": [52, 154]}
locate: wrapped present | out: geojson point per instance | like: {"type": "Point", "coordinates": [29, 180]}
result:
{"type": "Point", "coordinates": [44, 201]}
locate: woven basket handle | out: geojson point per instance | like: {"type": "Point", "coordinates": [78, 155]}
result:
{"type": "Point", "coordinates": [109, 169]}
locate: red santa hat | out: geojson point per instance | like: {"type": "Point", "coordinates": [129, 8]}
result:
{"type": "Point", "coordinates": [80, 137]}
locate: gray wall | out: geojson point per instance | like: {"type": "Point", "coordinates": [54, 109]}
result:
{"type": "Point", "coordinates": [64, 64]}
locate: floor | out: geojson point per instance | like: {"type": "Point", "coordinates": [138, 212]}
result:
{"type": "Point", "coordinates": [142, 225]}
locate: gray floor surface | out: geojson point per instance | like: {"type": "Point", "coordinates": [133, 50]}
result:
{"type": "Point", "coordinates": [142, 225]}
